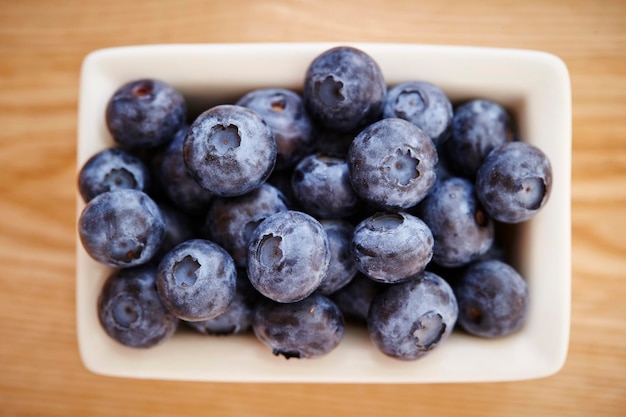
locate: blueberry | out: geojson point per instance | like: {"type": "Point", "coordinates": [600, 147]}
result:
{"type": "Point", "coordinates": [238, 316]}
{"type": "Point", "coordinates": [478, 127]}
{"type": "Point", "coordinates": [342, 267]}
{"type": "Point", "coordinates": [444, 167]}
{"type": "Point", "coordinates": [145, 113]}
{"type": "Point", "coordinates": [461, 228]}
{"type": "Point", "coordinates": [196, 280]}
{"type": "Point", "coordinates": [408, 320]}
{"type": "Point", "coordinates": [230, 150]}
{"type": "Point", "coordinates": [423, 104]}
{"type": "Point", "coordinates": [354, 299]}
{"type": "Point", "coordinates": [281, 179]}
{"type": "Point", "coordinates": [451, 275]}
{"type": "Point", "coordinates": [283, 111]}
{"type": "Point", "coordinates": [179, 227]}
{"type": "Point", "coordinates": [392, 164]}
{"type": "Point", "coordinates": [497, 251]}
{"type": "Point", "coordinates": [288, 256]}
{"type": "Point", "coordinates": [392, 247]}
{"type": "Point", "coordinates": [493, 299]}
{"type": "Point", "coordinates": [332, 142]}
{"type": "Point", "coordinates": [130, 310]}
{"type": "Point", "coordinates": [121, 228]}
{"type": "Point", "coordinates": [112, 169]}
{"type": "Point", "coordinates": [344, 89]}
{"type": "Point", "coordinates": [231, 221]}
{"type": "Point", "coordinates": [153, 158]}
{"type": "Point", "coordinates": [321, 184]}
{"type": "Point", "coordinates": [178, 183]}
{"type": "Point", "coordinates": [514, 182]}
{"type": "Point", "coordinates": [309, 328]}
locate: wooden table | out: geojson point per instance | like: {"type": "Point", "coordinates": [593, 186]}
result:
{"type": "Point", "coordinates": [42, 44]}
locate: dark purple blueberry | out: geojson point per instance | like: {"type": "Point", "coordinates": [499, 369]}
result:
{"type": "Point", "coordinates": [283, 111]}
{"type": "Point", "coordinates": [112, 169]}
{"type": "Point", "coordinates": [305, 329]}
{"type": "Point", "coordinates": [344, 89]}
{"type": "Point", "coordinates": [478, 127]}
{"type": "Point", "coordinates": [230, 150]}
{"type": "Point", "coordinates": [514, 182]}
{"type": "Point", "coordinates": [451, 275]}
{"type": "Point", "coordinates": [392, 164]}
{"type": "Point", "coordinates": [354, 299]}
{"type": "Point", "coordinates": [130, 310]}
{"type": "Point", "coordinates": [365, 210]}
{"type": "Point", "coordinates": [423, 104]}
{"type": "Point", "coordinates": [493, 299]}
{"type": "Point", "coordinates": [408, 320]}
{"type": "Point", "coordinates": [178, 183]}
{"type": "Point", "coordinates": [392, 247]}
{"type": "Point", "coordinates": [288, 256]}
{"type": "Point", "coordinates": [121, 228]}
{"type": "Point", "coordinates": [153, 159]}
{"type": "Point", "coordinates": [333, 143]}
{"type": "Point", "coordinates": [196, 280]}
{"type": "Point", "coordinates": [145, 113]}
{"type": "Point", "coordinates": [238, 316]}
{"type": "Point", "coordinates": [496, 252]}
{"type": "Point", "coordinates": [282, 181]}
{"type": "Point", "coordinates": [463, 231]}
{"type": "Point", "coordinates": [231, 220]}
{"type": "Point", "coordinates": [321, 184]}
{"type": "Point", "coordinates": [342, 267]}
{"type": "Point", "coordinates": [444, 167]}
{"type": "Point", "coordinates": [179, 227]}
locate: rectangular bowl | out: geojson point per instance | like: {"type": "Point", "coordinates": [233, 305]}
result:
{"type": "Point", "coordinates": [533, 85]}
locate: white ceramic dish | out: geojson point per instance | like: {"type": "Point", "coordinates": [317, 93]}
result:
{"type": "Point", "coordinates": [534, 85]}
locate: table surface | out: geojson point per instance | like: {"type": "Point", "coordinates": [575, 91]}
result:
{"type": "Point", "coordinates": [42, 44]}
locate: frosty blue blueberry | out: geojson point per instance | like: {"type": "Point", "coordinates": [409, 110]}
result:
{"type": "Point", "coordinates": [392, 247]}
{"type": "Point", "coordinates": [408, 320]}
{"type": "Point", "coordinates": [344, 89]}
{"type": "Point", "coordinates": [112, 169]}
{"type": "Point", "coordinates": [309, 328]}
{"type": "Point", "coordinates": [478, 127]}
{"type": "Point", "coordinates": [283, 111]}
{"type": "Point", "coordinates": [392, 164]}
{"type": "Point", "coordinates": [197, 280]}
{"type": "Point", "coordinates": [288, 256]}
{"type": "Point", "coordinates": [321, 184]}
{"type": "Point", "coordinates": [493, 299]}
{"type": "Point", "coordinates": [230, 150]}
{"type": "Point", "coordinates": [423, 104]}
{"type": "Point", "coordinates": [462, 230]}
{"type": "Point", "coordinates": [121, 228]}
{"type": "Point", "coordinates": [514, 182]}
{"type": "Point", "coordinates": [130, 310]}
{"type": "Point", "coordinates": [145, 113]}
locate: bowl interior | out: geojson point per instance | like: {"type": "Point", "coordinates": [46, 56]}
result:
{"type": "Point", "coordinates": [534, 86]}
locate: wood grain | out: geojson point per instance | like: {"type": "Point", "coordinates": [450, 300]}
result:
{"type": "Point", "coordinates": [42, 44]}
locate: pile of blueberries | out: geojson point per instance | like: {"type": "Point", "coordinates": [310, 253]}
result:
{"type": "Point", "coordinates": [289, 213]}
